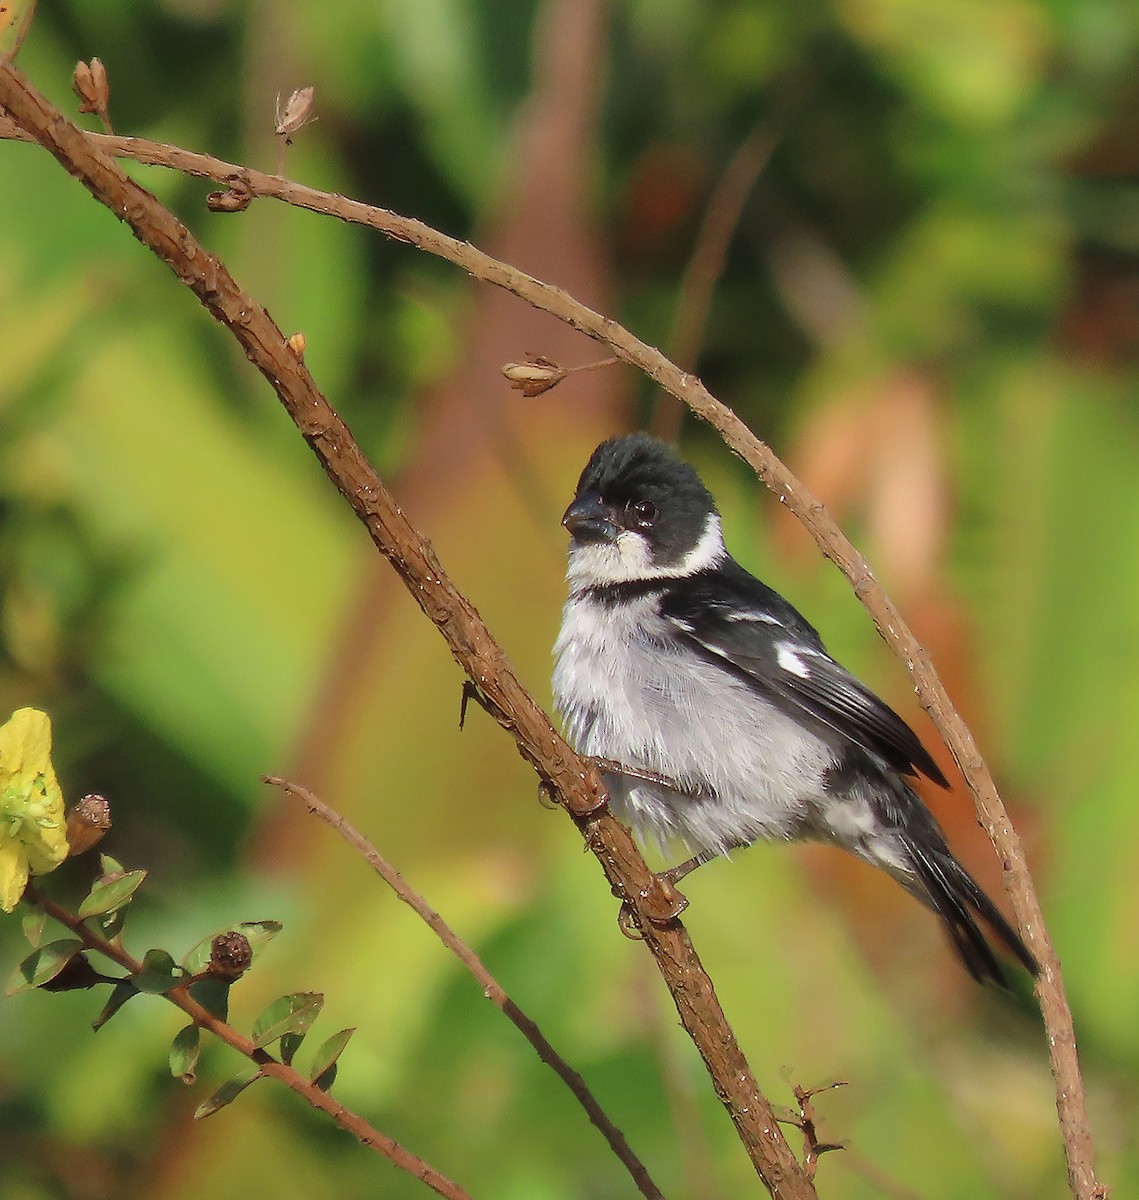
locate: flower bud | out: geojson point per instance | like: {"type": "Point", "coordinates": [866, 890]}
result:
{"type": "Point", "coordinates": [92, 86]}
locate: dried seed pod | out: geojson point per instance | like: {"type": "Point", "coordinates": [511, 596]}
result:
{"type": "Point", "coordinates": [92, 86]}
{"type": "Point", "coordinates": [233, 199]}
{"type": "Point", "coordinates": [87, 822]}
{"type": "Point", "coordinates": [230, 956]}
{"type": "Point", "coordinates": [534, 378]}
{"type": "Point", "coordinates": [297, 112]}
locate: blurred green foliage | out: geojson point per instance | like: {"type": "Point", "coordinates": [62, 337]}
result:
{"type": "Point", "coordinates": [945, 240]}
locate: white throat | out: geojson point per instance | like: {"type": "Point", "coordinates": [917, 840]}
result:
{"type": "Point", "coordinates": [629, 559]}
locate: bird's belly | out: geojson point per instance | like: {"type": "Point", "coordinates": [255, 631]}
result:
{"type": "Point", "coordinates": [742, 767]}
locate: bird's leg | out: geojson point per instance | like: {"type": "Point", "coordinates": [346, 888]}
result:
{"type": "Point", "coordinates": [611, 766]}
{"type": "Point", "coordinates": [675, 874]}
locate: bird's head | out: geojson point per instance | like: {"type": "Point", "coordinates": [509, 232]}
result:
{"type": "Point", "coordinates": [640, 513]}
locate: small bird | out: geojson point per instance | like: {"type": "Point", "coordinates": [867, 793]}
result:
{"type": "Point", "coordinates": [715, 712]}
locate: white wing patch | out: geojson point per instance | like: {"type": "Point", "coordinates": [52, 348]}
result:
{"type": "Point", "coordinates": [790, 661]}
{"type": "Point", "coordinates": [751, 615]}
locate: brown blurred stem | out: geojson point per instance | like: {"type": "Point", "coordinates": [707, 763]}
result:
{"type": "Point", "coordinates": [492, 989]}
{"type": "Point", "coordinates": [267, 1065]}
{"type": "Point", "coordinates": [706, 263]}
{"type": "Point", "coordinates": [85, 155]}
{"type": "Point", "coordinates": [573, 781]}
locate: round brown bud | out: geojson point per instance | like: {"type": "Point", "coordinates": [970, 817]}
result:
{"type": "Point", "coordinates": [230, 956]}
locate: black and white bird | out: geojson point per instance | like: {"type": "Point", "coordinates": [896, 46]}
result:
{"type": "Point", "coordinates": [719, 715]}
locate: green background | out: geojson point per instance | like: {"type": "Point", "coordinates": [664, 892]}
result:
{"type": "Point", "coordinates": [929, 306]}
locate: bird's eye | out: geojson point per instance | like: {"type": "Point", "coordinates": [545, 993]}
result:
{"type": "Point", "coordinates": [642, 513]}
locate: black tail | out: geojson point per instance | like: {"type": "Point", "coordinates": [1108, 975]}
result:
{"type": "Point", "coordinates": [957, 899]}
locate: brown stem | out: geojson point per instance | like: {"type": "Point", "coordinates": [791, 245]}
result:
{"type": "Point", "coordinates": [567, 775]}
{"type": "Point", "coordinates": [492, 989]}
{"type": "Point", "coordinates": [706, 263]}
{"type": "Point", "coordinates": [180, 997]}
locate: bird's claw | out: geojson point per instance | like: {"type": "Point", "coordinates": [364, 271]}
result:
{"type": "Point", "coordinates": [660, 903]}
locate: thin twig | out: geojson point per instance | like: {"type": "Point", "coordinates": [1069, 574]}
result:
{"type": "Point", "coordinates": [492, 989]}
{"type": "Point", "coordinates": [1071, 1102]}
{"type": "Point", "coordinates": [574, 781]}
{"type": "Point", "coordinates": [706, 263]}
{"type": "Point", "coordinates": [180, 997]}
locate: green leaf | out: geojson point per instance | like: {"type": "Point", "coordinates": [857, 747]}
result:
{"type": "Point", "coordinates": [226, 1094]}
{"type": "Point", "coordinates": [290, 1044]}
{"type": "Point", "coordinates": [110, 893]}
{"type": "Point", "coordinates": [294, 1013]}
{"type": "Point", "coordinates": [159, 973]}
{"type": "Point", "coordinates": [184, 1051]}
{"type": "Point", "coordinates": [33, 922]}
{"type": "Point", "coordinates": [120, 994]}
{"type": "Point", "coordinates": [323, 1069]}
{"type": "Point", "coordinates": [111, 924]}
{"type": "Point", "coordinates": [110, 866]}
{"type": "Point", "coordinates": [258, 934]}
{"type": "Point", "coordinates": [42, 965]}
{"type": "Point", "coordinates": [213, 996]}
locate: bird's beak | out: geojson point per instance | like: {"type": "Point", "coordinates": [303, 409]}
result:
{"type": "Point", "coordinates": [588, 520]}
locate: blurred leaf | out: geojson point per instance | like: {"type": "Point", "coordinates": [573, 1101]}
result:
{"type": "Point", "coordinates": [120, 994]}
{"type": "Point", "coordinates": [294, 1013]}
{"type": "Point", "coordinates": [159, 973]}
{"type": "Point", "coordinates": [184, 1051]}
{"type": "Point", "coordinates": [42, 965]}
{"type": "Point", "coordinates": [323, 1069]}
{"type": "Point", "coordinates": [213, 996]}
{"type": "Point", "coordinates": [290, 1044]}
{"type": "Point", "coordinates": [111, 924]}
{"type": "Point", "coordinates": [111, 893]}
{"type": "Point", "coordinates": [33, 922]}
{"type": "Point", "coordinates": [15, 21]}
{"type": "Point", "coordinates": [226, 1094]}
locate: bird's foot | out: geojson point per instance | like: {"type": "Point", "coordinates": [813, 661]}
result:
{"type": "Point", "coordinates": [660, 902]}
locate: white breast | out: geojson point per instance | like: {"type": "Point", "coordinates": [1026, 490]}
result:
{"type": "Point", "coordinates": [630, 691]}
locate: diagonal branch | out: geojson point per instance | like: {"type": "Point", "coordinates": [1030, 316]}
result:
{"type": "Point", "coordinates": [492, 989]}
{"type": "Point", "coordinates": [269, 1066]}
{"type": "Point", "coordinates": [569, 778]}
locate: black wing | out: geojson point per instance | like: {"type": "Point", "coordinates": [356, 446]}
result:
{"type": "Point", "coordinates": [733, 618]}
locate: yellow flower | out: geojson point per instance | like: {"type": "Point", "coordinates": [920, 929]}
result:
{"type": "Point", "coordinates": [33, 834]}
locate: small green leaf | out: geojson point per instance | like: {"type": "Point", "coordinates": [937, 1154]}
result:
{"type": "Point", "coordinates": [226, 1094]}
{"type": "Point", "coordinates": [120, 994]}
{"type": "Point", "coordinates": [257, 933]}
{"type": "Point", "coordinates": [290, 1044]}
{"type": "Point", "coordinates": [33, 922]}
{"type": "Point", "coordinates": [287, 1014]}
{"type": "Point", "coordinates": [323, 1069]}
{"type": "Point", "coordinates": [111, 924]}
{"type": "Point", "coordinates": [184, 1051]}
{"type": "Point", "coordinates": [159, 973]}
{"type": "Point", "coordinates": [260, 933]}
{"type": "Point", "coordinates": [213, 996]}
{"type": "Point", "coordinates": [110, 893]}
{"type": "Point", "coordinates": [42, 965]}
{"type": "Point", "coordinates": [110, 866]}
